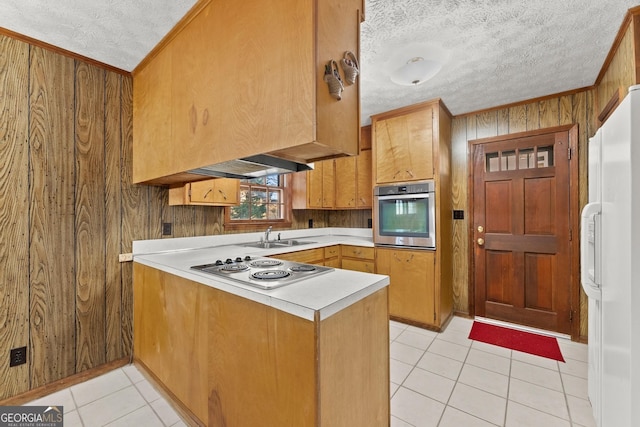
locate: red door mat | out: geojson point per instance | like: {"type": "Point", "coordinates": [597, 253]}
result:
{"type": "Point", "coordinates": [526, 342]}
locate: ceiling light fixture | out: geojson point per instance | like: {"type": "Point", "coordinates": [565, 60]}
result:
{"type": "Point", "coordinates": [415, 71]}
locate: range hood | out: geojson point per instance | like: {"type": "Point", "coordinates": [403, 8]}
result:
{"type": "Point", "coordinates": [251, 167]}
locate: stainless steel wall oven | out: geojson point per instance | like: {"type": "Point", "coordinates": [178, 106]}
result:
{"type": "Point", "coordinates": [404, 215]}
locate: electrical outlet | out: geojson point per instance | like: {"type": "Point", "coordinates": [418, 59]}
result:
{"type": "Point", "coordinates": [458, 214]}
{"type": "Point", "coordinates": [125, 257]}
{"type": "Point", "coordinates": [18, 356]}
{"type": "Point", "coordinates": [167, 229]}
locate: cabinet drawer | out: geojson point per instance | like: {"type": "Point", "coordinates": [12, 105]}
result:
{"type": "Point", "coordinates": [331, 252]}
{"type": "Point", "coordinates": [359, 252]}
{"type": "Point", "coordinates": [334, 263]}
{"type": "Point", "coordinates": [309, 256]}
{"type": "Point", "coordinates": [357, 265]}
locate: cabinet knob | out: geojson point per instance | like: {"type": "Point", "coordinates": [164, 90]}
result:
{"type": "Point", "coordinates": [480, 241]}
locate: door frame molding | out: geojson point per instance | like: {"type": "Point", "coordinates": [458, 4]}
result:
{"type": "Point", "coordinates": [574, 215]}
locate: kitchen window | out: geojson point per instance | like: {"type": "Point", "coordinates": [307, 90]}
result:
{"type": "Point", "coordinates": [263, 200]}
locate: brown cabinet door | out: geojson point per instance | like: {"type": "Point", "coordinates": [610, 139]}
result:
{"type": "Point", "coordinates": [364, 197]}
{"type": "Point", "coordinates": [345, 183]}
{"type": "Point", "coordinates": [152, 119]}
{"type": "Point", "coordinates": [220, 191]}
{"type": "Point", "coordinates": [328, 184]}
{"type": "Point", "coordinates": [314, 186]}
{"type": "Point", "coordinates": [521, 230]}
{"type": "Point", "coordinates": [404, 147]}
{"type": "Point", "coordinates": [412, 287]}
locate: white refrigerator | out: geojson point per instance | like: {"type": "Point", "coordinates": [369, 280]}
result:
{"type": "Point", "coordinates": [610, 266]}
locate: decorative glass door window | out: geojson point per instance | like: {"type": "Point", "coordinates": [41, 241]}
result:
{"type": "Point", "coordinates": [522, 158]}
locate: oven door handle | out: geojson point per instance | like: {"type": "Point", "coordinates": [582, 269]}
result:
{"type": "Point", "coordinates": [405, 196]}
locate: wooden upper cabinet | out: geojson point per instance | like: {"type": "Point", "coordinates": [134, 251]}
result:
{"type": "Point", "coordinates": [236, 79]}
{"type": "Point", "coordinates": [364, 195]}
{"type": "Point", "coordinates": [314, 186]}
{"type": "Point", "coordinates": [345, 182]}
{"type": "Point", "coordinates": [211, 192]}
{"type": "Point", "coordinates": [405, 142]}
{"type": "Point", "coordinates": [403, 147]}
{"type": "Point", "coordinates": [328, 183]}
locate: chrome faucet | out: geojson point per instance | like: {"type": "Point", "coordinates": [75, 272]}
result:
{"type": "Point", "coordinates": [266, 233]}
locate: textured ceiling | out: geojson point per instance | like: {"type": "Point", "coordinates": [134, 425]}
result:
{"type": "Point", "coordinates": [495, 51]}
{"type": "Point", "coordinates": [499, 51]}
{"type": "Point", "coordinates": [119, 33]}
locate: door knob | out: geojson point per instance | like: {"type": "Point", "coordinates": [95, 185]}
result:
{"type": "Point", "coordinates": [480, 241]}
{"type": "Point", "coordinates": [480, 229]}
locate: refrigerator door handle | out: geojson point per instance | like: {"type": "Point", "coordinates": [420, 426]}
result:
{"type": "Point", "coordinates": [589, 250]}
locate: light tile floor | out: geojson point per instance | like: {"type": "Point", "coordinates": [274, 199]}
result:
{"type": "Point", "coordinates": [448, 380]}
{"type": "Point", "coordinates": [443, 380]}
{"type": "Point", "coordinates": [122, 397]}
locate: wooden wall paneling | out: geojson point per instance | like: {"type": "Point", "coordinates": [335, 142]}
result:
{"type": "Point", "coordinates": [460, 233]}
{"type": "Point", "coordinates": [565, 112]}
{"type": "Point", "coordinates": [134, 226]}
{"type": "Point", "coordinates": [549, 112]}
{"type": "Point", "coordinates": [301, 217]}
{"type": "Point", "coordinates": [503, 121]}
{"type": "Point", "coordinates": [213, 220]}
{"type": "Point", "coordinates": [357, 218]}
{"type": "Point", "coordinates": [517, 119]}
{"type": "Point", "coordinates": [184, 217]}
{"type": "Point", "coordinates": [486, 124]}
{"type": "Point", "coordinates": [620, 72]}
{"type": "Point", "coordinates": [159, 213]}
{"type": "Point", "coordinates": [583, 113]}
{"type": "Point", "coordinates": [533, 116]}
{"type": "Point", "coordinates": [14, 202]}
{"type": "Point", "coordinates": [90, 220]}
{"type": "Point", "coordinates": [199, 222]}
{"type": "Point", "coordinates": [51, 214]}
{"type": "Point", "coordinates": [113, 218]}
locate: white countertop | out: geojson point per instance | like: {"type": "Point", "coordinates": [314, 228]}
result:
{"type": "Point", "coordinates": [325, 294]}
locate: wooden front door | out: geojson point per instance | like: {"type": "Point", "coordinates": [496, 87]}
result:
{"type": "Point", "coordinates": [522, 229]}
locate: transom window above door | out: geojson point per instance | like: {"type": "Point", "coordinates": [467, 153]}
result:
{"type": "Point", "coordinates": [518, 159]}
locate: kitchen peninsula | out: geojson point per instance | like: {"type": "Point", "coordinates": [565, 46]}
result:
{"type": "Point", "coordinates": [310, 353]}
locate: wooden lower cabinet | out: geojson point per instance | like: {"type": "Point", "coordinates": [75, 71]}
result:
{"type": "Point", "coordinates": [358, 258]}
{"type": "Point", "coordinates": [332, 256]}
{"type": "Point", "coordinates": [412, 293]}
{"type": "Point", "coordinates": [228, 361]}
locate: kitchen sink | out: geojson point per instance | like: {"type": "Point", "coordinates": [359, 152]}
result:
{"type": "Point", "coordinates": [276, 243]}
